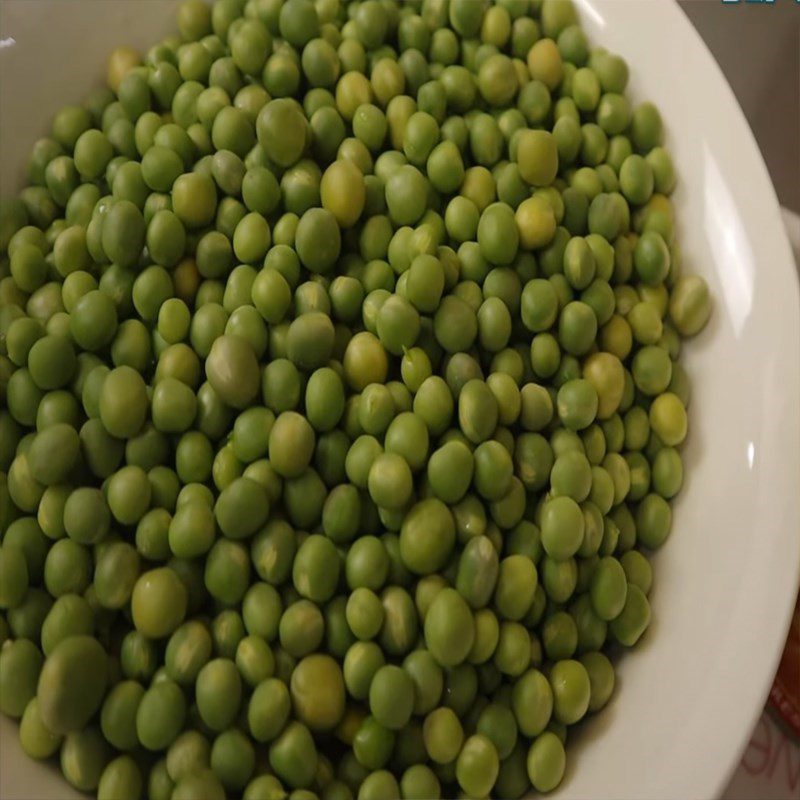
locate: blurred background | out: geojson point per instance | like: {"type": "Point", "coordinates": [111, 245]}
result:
{"type": "Point", "coordinates": [757, 45]}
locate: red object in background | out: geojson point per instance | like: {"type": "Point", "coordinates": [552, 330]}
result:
{"type": "Point", "coordinates": [785, 694]}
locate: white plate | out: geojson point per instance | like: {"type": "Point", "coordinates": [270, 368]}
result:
{"type": "Point", "coordinates": [725, 582]}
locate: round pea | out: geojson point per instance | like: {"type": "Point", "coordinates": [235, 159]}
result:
{"type": "Point", "coordinates": [72, 683]}
{"type": "Point", "coordinates": [546, 762]}
{"type": "Point", "coordinates": [477, 766]}
{"type": "Point", "coordinates": [318, 692]}
{"type": "Point", "coordinates": [158, 591]}
{"type": "Point", "coordinates": [449, 628]}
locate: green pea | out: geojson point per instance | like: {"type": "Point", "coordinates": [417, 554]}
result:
{"type": "Point", "coordinates": [160, 715]}
{"type": "Point", "coordinates": [427, 536]}
{"type": "Point", "coordinates": [516, 586]}
{"type": "Point", "coordinates": [53, 454]}
{"type": "Point", "coordinates": [667, 472]}
{"type": "Point", "coordinates": [477, 411]}
{"type": "Point", "coordinates": [310, 340]}
{"type": "Point", "coordinates": [651, 370]}
{"type": "Point", "coordinates": [128, 494]}
{"type": "Point", "coordinates": [121, 778]}
{"type": "Point", "coordinates": [608, 589]}
{"type": "Point", "coordinates": [638, 571]}
{"type": "Point", "coordinates": [537, 156]}
{"type": "Point", "coordinates": [478, 571]}
{"type": "Point", "coordinates": [155, 591]}
{"type": "Point", "coordinates": [577, 403]}
{"type": "Point", "coordinates": [498, 235]}
{"type": "Point", "coordinates": [115, 574]}
{"type": "Point", "coordinates": [313, 572]}
{"type": "Point", "coordinates": [218, 693]}
{"type": "Point", "coordinates": [268, 709]}
{"type": "Point", "coordinates": [232, 370]}
{"type": "Point", "coordinates": [449, 628]}
{"type": "Point", "coordinates": [318, 692]}
{"type": "Point", "coordinates": [562, 527]}
{"type": "Point", "coordinates": [390, 481]}
{"type": "Point", "coordinates": [240, 494]}
{"type": "Point", "coordinates": [22, 666]}
{"type": "Point", "coordinates": [203, 783]}
{"type": "Point", "coordinates": [450, 471]}
{"type": "Point", "coordinates": [293, 754]}
{"type": "Point", "coordinates": [443, 735]}
{"type": "Point", "coordinates": [629, 626]}
{"type": "Point", "coordinates": [477, 766]}
{"type": "Point", "coordinates": [37, 740]}
{"type": "Point", "coordinates": [14, 570]}
{"type": "Point", "coordinates": [646, 127]}
{"type": "Point", "coordinates": [689, 305]}
{"type": "Point", "coordinates": [227, 571]}
{"type": "Point", "coordinates": [72, 684]}
{"type": "Point", "coordinates": [546, 762]}
{"type": "Point", "coordinates": [83, 758]}
{"type": "Point", "coordinates": [419, 781]}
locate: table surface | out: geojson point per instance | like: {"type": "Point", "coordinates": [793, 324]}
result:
{"type": "Point", "coordinates": [770, 766]}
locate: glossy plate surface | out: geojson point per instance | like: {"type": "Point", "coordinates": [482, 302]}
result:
{"type": "Point", "coordinates": [725, 582]}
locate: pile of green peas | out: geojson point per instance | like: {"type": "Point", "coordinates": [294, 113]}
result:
{"type": "Point", "coordinates": [341, 403]}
